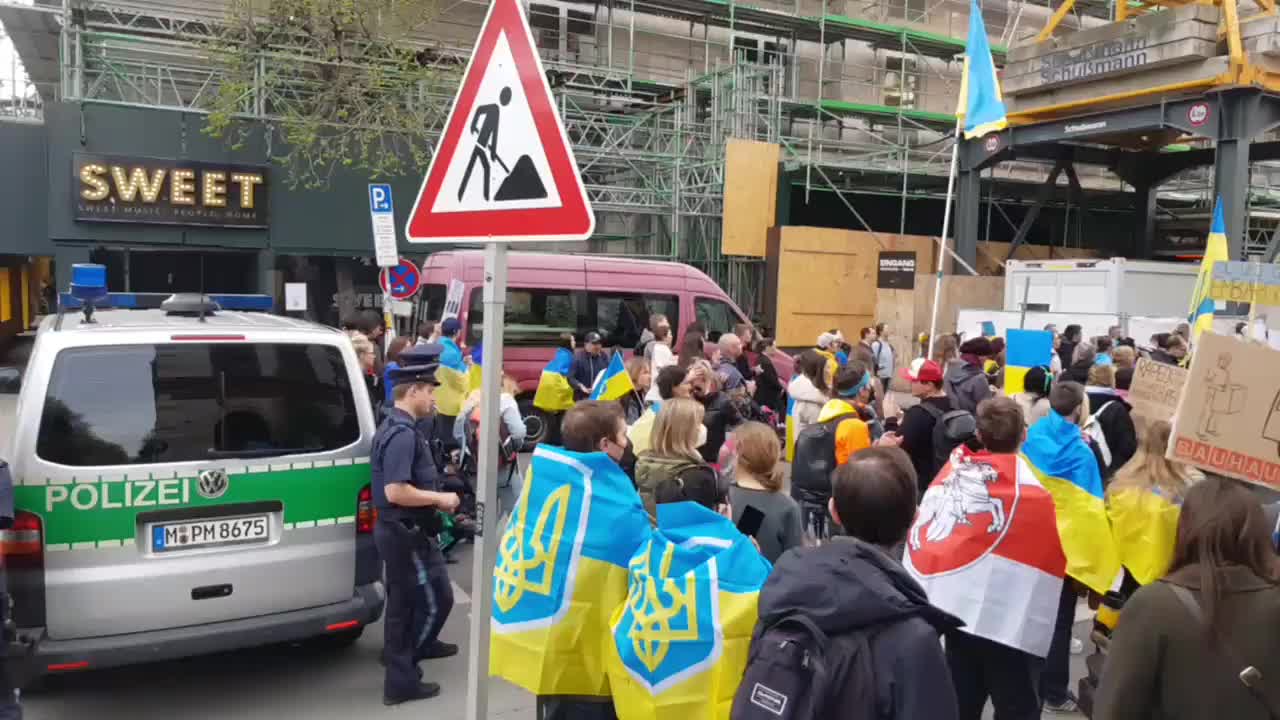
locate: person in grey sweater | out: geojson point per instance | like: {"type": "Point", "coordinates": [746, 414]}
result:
{"type": "Point", "coordinates": [966, 384]}
{"type": "Point", "coordinates": [758, 483]}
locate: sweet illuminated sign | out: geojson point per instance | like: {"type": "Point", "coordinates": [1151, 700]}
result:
{"type": "Point", "coordinates": [113, 188]}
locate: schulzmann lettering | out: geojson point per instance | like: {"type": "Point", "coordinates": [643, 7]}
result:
{"type": "Point", "coordinates": [1094, 60]}
{"type": "Point", "coordinates": [115, 495]}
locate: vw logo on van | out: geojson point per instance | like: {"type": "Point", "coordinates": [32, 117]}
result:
{"type": "Point", "coordinates": [213, 484]}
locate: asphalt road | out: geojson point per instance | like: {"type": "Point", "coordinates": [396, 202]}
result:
{"type": "Point", "coordinates": [299, 681]}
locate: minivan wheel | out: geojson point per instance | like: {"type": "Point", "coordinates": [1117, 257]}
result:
{"type": "Point", "coordinates": [535, 422]}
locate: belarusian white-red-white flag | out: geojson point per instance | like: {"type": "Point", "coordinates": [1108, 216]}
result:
{"type": "Point", "coordinates": [985, 547]}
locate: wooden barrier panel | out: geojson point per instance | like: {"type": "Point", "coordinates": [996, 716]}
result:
{"type": "Point", "coordinates": [823, 278]}
{"type": "Point", "coordinates": [750, 196]}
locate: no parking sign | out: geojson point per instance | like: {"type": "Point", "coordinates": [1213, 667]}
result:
{"type": "Point", "coordinates": [401, 281]}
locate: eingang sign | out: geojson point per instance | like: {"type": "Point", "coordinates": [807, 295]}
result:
{"type": "Point", "coordinates": [115, 188]}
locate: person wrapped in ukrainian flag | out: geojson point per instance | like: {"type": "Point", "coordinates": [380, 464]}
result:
{"type": "Point", "coordinates": [555, 394]}
{"type": "Point", "coordinates": [561, 565]}
{"type": "Point", "coordinates": [679, 644]}
{"type": "Point", "coordinates": [1144, 502]}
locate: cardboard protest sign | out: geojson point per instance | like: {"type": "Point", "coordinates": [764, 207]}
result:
{"type": "Point", "coordinates": [1156, 388]}
{"type": "Point", "coordinates": [1228, 421]}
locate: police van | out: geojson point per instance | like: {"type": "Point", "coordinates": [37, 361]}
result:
{"type": "Point", "coordinates": [189, 478]}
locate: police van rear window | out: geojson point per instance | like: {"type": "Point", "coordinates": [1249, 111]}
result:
{"type": "Point", "coordinates": [125, 405]}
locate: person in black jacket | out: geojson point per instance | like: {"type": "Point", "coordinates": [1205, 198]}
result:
{"type": "Point", "coordinates": [770, 391]}
{"type": "Point", "coordinates": [855, 583]}
{"type": "Point", "coordinates": [587, 365]}
{"type": "Point", "coordinates": [721, 414]}
{"type": "Point", "coordinates": [1113, 416]}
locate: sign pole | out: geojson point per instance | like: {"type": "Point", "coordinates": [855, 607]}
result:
{"type": "Point", "coordinates": [486, 542]}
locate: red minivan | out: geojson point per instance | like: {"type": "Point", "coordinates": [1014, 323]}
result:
{"type": "Point", "coordinates": [550, 294]}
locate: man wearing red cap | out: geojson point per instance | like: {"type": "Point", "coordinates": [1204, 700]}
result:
{"type": "Point", "coordinates": [919, 421]}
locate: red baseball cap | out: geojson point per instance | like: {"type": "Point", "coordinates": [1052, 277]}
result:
{"type": "Point", "coordinates": [922, 370]}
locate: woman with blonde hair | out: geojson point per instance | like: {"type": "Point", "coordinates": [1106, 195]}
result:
{"type": "Point", "coordinates": [1144, 502]}
{"type": "Point", "coordinates": [633, 403]}
{"type": "Point", "coordinates": [672, 467]}
{"type": "Point", "coordinates": [1111, 414]}
{"type": "Point", "coordinates": [758, 483]}
{"type": "Point", "coordinates": [367, 356]}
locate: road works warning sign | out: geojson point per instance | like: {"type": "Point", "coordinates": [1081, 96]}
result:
{"type": "Point", "coordinates": [504, 169]}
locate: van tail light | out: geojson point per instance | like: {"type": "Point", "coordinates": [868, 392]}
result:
{"type": "Point", "coordinates": [25, 540]}
{"type": "Point", "coordinates": [365, 514]}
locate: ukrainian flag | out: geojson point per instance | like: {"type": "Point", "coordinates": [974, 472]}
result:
{"type": "Point", "coordinates": [679, 643]}
{"type": "Point", "coordinates": [1065, 466]}
{"type": "Point", "coordinates": [1145, 525]}
{"type": "Point", "coordinates": [1202, 306]}
{"type": "Point", "coordinates": [475, 375]}
{"type": "Point", "coordinates": [561, 572]}
{"type": "Point", "coordinates": [981, 106]}
{"type": "Point", "coordinates": [615, 382]}
{"type": "Point", "coordinates": [554, 393]}
{"type": "Point", "coordinates": [452, 376]}
{"type": "Point", "coordinates": [1024, 350]}
{"type": "Point", "coordinates": [791, 428]}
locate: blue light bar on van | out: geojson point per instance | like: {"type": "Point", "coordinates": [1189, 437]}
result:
{"type": "Point", "coordinates": [152, 301]}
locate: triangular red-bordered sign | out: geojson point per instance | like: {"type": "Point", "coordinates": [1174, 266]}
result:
{"type": "Point", "coordinates": [471, 204]}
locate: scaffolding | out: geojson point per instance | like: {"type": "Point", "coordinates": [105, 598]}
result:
{"type": "Point", "coordinates": [859, 95]}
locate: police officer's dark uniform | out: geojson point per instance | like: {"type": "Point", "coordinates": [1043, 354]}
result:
{"type": "Point", "coordinates": [419, 595]}
{"type": "Point", "coordinates": [12, 651]}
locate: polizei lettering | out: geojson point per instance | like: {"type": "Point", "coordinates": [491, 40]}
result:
{"type": "Point", "coordinates": [1093, 60]}
{"type": "Point", "coordinates": [115, 495]}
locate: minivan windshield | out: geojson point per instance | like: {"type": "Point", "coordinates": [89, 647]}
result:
{"type": "Point", "coordinates": [181, 402]}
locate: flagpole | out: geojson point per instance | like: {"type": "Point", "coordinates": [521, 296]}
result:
{"type": "Point", "coordinates": [942, 242]}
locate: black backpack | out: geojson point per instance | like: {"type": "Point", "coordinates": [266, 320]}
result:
{"type": "Point", "coordinates": [950, 428]}
{"type": "Point", "coordinates": [815, 460]}
{"type": "Point", "coordinates": [795, 671]}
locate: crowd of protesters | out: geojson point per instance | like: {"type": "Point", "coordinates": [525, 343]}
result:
{"type": "Point", "coordinates": [713, 421]}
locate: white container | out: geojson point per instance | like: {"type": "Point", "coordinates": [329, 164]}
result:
{"type": "Point", "coordinates": [1119, 286]}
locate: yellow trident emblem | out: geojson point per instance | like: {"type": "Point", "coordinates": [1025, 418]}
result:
{"type": "Point", "coordinates": [650, 633]}
{"type": "Point", "coordinates": [518, 561]}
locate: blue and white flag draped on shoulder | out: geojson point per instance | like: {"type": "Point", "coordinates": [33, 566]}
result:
{"type": "Point", "coordinates": [981, 105]}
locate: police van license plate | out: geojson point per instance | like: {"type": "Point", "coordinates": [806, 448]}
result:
{"type": "Point", "coordinates": [209, 533]}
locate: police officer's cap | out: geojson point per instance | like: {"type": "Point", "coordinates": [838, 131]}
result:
{"type": "Point", "coordinates": [421, 354]}
{"type": "Point", "coordinates": [414, 375]}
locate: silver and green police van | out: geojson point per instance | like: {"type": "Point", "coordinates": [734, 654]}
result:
{"type": "Point", "coordinates": [189, 479]}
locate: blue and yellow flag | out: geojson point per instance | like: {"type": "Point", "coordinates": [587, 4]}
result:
{"type": "Point", "coordinates": [1144, 522]}
{"type": "Point", "coordinates": [1215, 250]}
{"type": "Point", "coordinates": [981, 106]}
{"type": "Point", "coordinates": [1024, 350]}
{"type": "Point", "coordinates": [615, 382]}
{"type": "Point", "coordinates": [475, 375]}
{"type": "Point", "coordinates": [554, 393]}
{"type": "Point", "coordinates": [1066, 467]}
{"type": "Point", "coordinates": [561, 571]}
{"type": "Point", "coordinates": [679, 643]}
{"type": "Point", "coordinates": [791, 429]}
{"type": "Point", "coordinates": [452, 376]}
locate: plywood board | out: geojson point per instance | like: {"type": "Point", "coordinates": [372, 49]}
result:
{"type": "Point", "coordinates": [958, 292]}
{"type": "Point", "coordinates": [750, 196]}
{"type": "Point", "coordinates": [816, 281]}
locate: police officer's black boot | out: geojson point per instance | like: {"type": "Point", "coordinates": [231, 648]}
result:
{"type": "Point", "coordinates": [422, 692]}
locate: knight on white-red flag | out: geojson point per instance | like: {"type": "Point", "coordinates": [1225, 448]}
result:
{"type": "Point", "coordinates": [985, 548]}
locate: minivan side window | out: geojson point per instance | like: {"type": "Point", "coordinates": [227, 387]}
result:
{"type": "Point", "coordinates": [622, 317]}
{"type": "Point", "coordinates": [182, 402]}
{"type": "Point", "coordinates": [716, 315]}
{"type": "Point", "coordinates": [534, 316]}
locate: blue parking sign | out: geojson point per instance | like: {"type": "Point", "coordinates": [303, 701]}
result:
{"type": "Point", "coordinates": [380, 198]}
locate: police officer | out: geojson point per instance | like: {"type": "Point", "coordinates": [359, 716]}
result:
{"type": "Point", "coordinates": [405, 481]}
